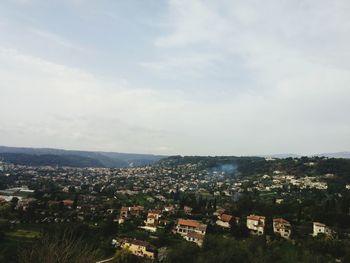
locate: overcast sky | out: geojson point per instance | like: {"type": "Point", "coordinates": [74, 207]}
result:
{"type": "Point", "coordinates": [223, 77]}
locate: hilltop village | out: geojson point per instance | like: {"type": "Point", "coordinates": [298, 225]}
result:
{"type": "Point", "coordinates": [150, 212]}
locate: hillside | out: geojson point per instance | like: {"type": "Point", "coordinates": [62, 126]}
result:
{"type": "Point", "coordinates": [246, 166]}
{"type": "Point", "coordinates": [48, 156]}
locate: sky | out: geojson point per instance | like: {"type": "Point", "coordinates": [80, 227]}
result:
{"type": "Point", "coordinates": [190, 77]}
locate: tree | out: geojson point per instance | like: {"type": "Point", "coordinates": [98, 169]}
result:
{"type": "Point", "coordinates": [125, 256]}
{"type": "Point", "coordinates": [60, 247]}
{"type": "Point", "coordinates": [239, 230]}
{"type": "Point", "coordinates": [184, 252]}
{"type": "Point", "coordinates": [110, 228]}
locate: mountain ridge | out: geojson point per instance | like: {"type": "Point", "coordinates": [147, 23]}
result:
{"type": "Point", "coordinates": [95, 158]}
{"type": "Point", "coordinates": [79, 158]}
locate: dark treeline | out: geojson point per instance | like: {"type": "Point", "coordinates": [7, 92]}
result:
{"type": "Point", "coordinates": [245, 166]}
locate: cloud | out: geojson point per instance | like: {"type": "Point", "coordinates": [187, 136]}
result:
{"type": "Point", "coordinates": [294, 52]}
{"type": "Point", "coordinates": [222, 77]}
{"type": "Point", "coordinates": [192, 65]}
{"type": "Point", "coordinates": [315, 30]}
{"type": "Point", "coordinates": [54, 104]}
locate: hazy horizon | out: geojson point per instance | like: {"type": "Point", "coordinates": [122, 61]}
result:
{"type": "Point", "coordinates": [185, 77]}
{"type": "Point", "coordinates": [150, 153]}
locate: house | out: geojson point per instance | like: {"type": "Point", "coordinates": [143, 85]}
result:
{"type": "Point", "coordinates": [282, 227]}
{"type": "Point", "coordinates": [139, 248]}
{"type": "Point", "coordinates": [169, 209]}
{"type": "Point", "coordinates": [186, 228]}
{"type": "Point", "coordinates": [2, 200]}
{"type": "Point", "coordinates": [225, 219]}
{"type": "Point", "coordinates": [279, 201]}
{"type": "Point", "coordinates": [256, 224]}
{"type": "Point", "coordinates": [195, 237]}
{"type": "Point", "coordinates": [219, 211]}
{"type": "Point", "coordinates": [68, 203]}
{"type": "Point", "coordinates": [126, 212]}
{"type": "Point", "coordinates": [25, 202]}
{"type": "Point", "coordinates": [319, 228]}
{"type": "Point", "coordinates": [153, 218]}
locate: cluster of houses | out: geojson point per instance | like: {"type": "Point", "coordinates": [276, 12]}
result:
{"type": "Point", "coordinates": [98, 186]}
{"type": "Point", "coordinates": [282, 227]}
{"type": "Point", "coordinates": [256, 224]}
{"type": "Point", "coordinates": [195, 231]}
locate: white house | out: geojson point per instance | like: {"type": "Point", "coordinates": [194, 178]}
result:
{"type": "Point", "coordinates": [319, 228]}
{"type": "Point", "coordinates": [256, 224]}
{"type": "Point", "coordinates": [191, 230]}
{"type": "Point", "coordinates": [153, 218]}
{"type": "Point", "coordinates": [282, 227]}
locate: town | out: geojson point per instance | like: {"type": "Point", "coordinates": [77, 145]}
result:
{"type": "Point", "coordinates": [148, 211]}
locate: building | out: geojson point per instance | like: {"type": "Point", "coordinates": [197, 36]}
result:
{"type": "Point", "coordinates": [225, 219]}
{"type": "Point", "coordinates": [2, 200]}
{"type": "Point", "coordinates": [24, 203]}
{"type": "Point", "coordinates": [219, 211]}
{"type": "Point", "coordinates": [170, 209]}
{"type": "Point", "coordinates": [153, 218]}
{"type": "Point", "coordinates": [68, 203]}
{"type": "Point", "coordinates": [188, 210]}
{"type": "Point", "coordinates": [191, 230]}
{"type": "Point", "coordinates": [185, 226]}
{"type": "Point", "coordinates": [195, 237]}
{"type": "Point", "coordinates": [256, 224]}
{"type": "Point", "coordinates": [139, 248]}
{"type": "Point", "coordinates": [126, 212]}
{"type": "Point", "coordinates": [282, 227]}
{"type": "Point", "coordinates": [319, 228]}
{"type": "Point", "coordinates": [279, 201]}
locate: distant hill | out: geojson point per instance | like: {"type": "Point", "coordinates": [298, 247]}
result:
{"type": "Point", "coordinates": [282, 155]}
{"type": "Point", "coordinates": [48, 156]}
{"type": "Point", "coordinates": [53, 157]}
{"type": "Point", "coordinates": [49, 160]}
{"type": "Point", "coordinates": [344, 155]}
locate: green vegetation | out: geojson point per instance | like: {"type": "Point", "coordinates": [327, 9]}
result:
{"type": "Point", "coordinates": [220, 249]}
{"type": "Point", "coordinates": [87, 203]}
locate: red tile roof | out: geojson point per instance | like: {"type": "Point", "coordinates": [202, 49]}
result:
{"type": "Point", "coordinates": [226, 217]}
{"type": "Point", "coordinates": [280, 221]}
{"type": "Point", "coordinates": [255, 217]}
{"type": "Point", "coordinates": [188, 222]}
{"type": "Point", "coordinates": [154, 212]}
{"type": "Point", "coordinates": [195, 235]}
{"type": "Point", "coordinates": [68, 202]}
